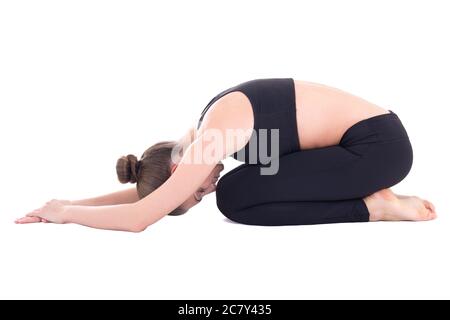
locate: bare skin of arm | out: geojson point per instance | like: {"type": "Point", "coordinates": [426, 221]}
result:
{"type": "Point", "coordinates": [137, 216]}
{"type": "Point", "coordinates": [126, 196]}
{"type": "Point", "coordinates": [119, 197]}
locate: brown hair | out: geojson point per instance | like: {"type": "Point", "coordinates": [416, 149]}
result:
{"type": "Point", "coordinates": [151, 171]}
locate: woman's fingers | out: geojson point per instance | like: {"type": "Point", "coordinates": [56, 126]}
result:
{"type": "Point", "coordinates": [212, 187]}
{"type": "Point", "coordinates": [430, 206]}
{"type": "Point", "coordinates": [28, 220]}
{"type": "Point", "coordinates": [36, 215]}
{"type": "Point", "coordinates": [33, 214]}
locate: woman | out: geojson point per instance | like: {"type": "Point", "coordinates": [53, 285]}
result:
{"type": "Point", "coordinates": [314, 154]}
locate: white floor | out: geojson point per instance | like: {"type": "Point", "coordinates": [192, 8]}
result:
{"type": "Point", "coordinates": [203, 255]}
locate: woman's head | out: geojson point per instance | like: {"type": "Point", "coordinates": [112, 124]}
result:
{"type": "Point", "coordinates": [154, 168]}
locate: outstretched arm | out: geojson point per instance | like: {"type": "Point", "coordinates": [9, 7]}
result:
{"type": "Point", "coordinates": [119, 197]}
{"type": "Point", "coordinates": [191, 172]}
{"type": "Point", "coordinates": [198, 160]}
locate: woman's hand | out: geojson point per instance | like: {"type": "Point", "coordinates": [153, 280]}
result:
{"type": "Point", "coordinates": [50, 212]}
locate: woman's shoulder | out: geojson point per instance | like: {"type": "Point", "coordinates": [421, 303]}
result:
{"type": "Point", "coordinates": [231, 111]}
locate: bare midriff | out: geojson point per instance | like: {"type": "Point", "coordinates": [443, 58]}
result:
{"type": "Point", "coordinates": [324, 113]}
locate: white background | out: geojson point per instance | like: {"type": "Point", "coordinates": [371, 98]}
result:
{"type": "Point", "coordinates": [84, 82]}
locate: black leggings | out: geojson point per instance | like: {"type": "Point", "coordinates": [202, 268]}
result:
{"type": "Point", "coordinates": [324, 185]}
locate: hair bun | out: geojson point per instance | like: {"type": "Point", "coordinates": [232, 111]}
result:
{"type": "Point", "coordinates": [127, 168]}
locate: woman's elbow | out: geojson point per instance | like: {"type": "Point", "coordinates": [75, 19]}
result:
{"type": "Point", "coordinates": [137, 228]}
{"type": "Point", "coordinates": [139, 225]}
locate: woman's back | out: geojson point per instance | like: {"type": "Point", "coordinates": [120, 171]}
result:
{"type": "Point", "coordinates": [324, 113]}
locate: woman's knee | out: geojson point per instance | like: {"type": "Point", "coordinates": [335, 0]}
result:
{"type": "Point", "coordinates": [401, 163]}
{"type": "Point", "coordinates": [229, 193]}
{"type": "Point", "coordinates": [229, 201]}
{"type": "Point", "coordinates": [390, 164]}
{"type": "Point", "coordinates": [225, 196]}
{"type": "Point", "coordinates": [408, 158]}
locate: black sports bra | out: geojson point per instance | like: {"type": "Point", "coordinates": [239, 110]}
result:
{"type": "Point", "coordinates": [273, 103]}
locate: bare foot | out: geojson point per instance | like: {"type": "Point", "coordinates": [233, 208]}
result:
{"type": "Point", "coordinates": [384, 205]}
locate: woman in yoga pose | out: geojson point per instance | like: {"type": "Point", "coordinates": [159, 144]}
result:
{"type": "Point", "coordinates": [313, 154]}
